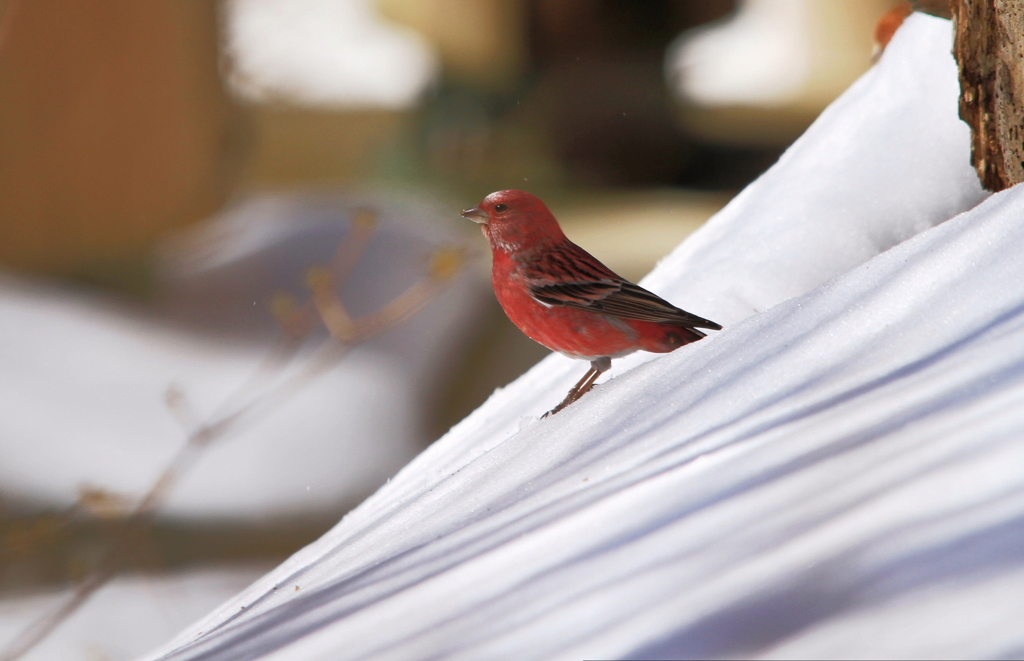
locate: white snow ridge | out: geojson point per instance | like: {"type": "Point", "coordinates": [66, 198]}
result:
{"type": "Point", "coordinates": [838, 473]}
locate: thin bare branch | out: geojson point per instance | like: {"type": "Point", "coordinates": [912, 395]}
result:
{"type": "Point", "coordinates": [297, 320]}
{"type": "Point", "coordinates": [352, 249]}
{"type": "Point", "coordinates": [444, 265]}
{"type": "Point", "coordinates": [296, 323]}
{"type": "Point", "coordinates": [41, 628]}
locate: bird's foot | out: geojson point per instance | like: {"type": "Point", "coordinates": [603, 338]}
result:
{"type": "Point", "coordinates": [573, 395]}
{"type": "Point", "coordinates": [583, 387]}
{"type": "Point", "coordinates": [565, 402]}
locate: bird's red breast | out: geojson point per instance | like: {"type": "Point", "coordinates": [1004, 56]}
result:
{"type": "Point", "coordinates": [564, 298]}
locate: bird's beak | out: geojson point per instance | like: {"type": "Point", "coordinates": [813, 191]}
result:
{"type": "Point", "coordinates": [477, 215]}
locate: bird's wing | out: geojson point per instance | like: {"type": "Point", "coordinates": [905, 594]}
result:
{"type": "Point", "coordinates": [568, 275]}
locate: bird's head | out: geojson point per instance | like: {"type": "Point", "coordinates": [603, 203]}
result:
{"type": "Point", "coordinates": [515, 219]}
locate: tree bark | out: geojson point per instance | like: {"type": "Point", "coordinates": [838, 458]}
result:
{"type": "Point", "coordinates": [989, 48]}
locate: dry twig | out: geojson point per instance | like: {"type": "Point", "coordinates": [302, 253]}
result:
{"type": "Point", "coordinates": [255, 396]}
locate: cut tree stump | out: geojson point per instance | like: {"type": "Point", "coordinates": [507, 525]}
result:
{"type": "Point", "coordinates": [989, 49]}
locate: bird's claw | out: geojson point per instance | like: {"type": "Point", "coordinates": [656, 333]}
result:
{"type": "Point", "coordinates": [584, 386]}
{"type": "Point", "coordinates": [557, 409]}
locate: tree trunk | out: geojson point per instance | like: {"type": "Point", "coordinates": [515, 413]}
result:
{"type": "Point", "coordinates": [989, 48]}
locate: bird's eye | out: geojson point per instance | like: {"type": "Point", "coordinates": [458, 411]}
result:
{"type": "Point", "coordinates": [500, 207]}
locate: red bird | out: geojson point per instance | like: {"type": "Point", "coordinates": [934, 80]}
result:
{"type": "Point", "coordinates": [562, 297]}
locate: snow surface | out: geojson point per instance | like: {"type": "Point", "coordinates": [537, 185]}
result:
{"type": "Point", "coordinates": [83, 376]}
{"type": "Point", "coordinates": [837, 473]}
{"type": "Point", "coordinates": [882, 163]}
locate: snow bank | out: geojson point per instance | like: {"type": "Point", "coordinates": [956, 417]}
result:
{"type": "Point", "coordinates": [848, 460]}
{"type": "Point", "coordinates": [882, 163]}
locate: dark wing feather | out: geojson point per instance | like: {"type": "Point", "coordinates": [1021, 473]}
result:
{"type": "Point", "coordinates": [570, 276]}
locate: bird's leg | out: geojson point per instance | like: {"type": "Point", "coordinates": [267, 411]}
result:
{"type": "Point", "coordinates": [597, 367]}
{"type": "Point", "coordinates": [577, 390]}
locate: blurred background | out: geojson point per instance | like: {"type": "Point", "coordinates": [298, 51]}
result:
{"type": "Point", "coordinates": [172, 170]}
